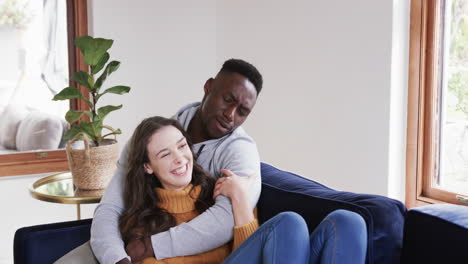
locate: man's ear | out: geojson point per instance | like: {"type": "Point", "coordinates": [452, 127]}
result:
{"type": "Point", "coordinates": [148, 168]}
{"type": "Point", "coordinates": [208, 86]}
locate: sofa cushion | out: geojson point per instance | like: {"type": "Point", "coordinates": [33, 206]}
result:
{"type": "Point", "coordinates": [285, 191]}
{"type": "Point", "coordinates": [436, 233]}
{"type": "Point", "coordinates": [9, 123]}
{"type": "Point", "coordinates": [4, 150]}
{"type": "Point", "coordinates": [39, 130]}
{"type": "Point", "coordinates": [81, 254]}
{"type": "Point", "coordinates": [2, 109]}
{"type": "Point", "coordinates": [47, 243]}
{"type": "Point", "coordinates": [65, 127]}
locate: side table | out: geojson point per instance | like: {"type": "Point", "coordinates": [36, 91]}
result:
{"type": "Point", "coordinates": [58, 188]}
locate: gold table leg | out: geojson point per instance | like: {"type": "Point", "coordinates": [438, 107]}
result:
{"type": "Point", "coordinates": [78, 211]}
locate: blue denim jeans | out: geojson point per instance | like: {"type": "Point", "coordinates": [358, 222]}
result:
{"type": "Point", "coordinates": [340, 238]}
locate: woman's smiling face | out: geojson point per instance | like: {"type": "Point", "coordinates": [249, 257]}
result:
{"type": "Point", "coordinates": [170, 158]}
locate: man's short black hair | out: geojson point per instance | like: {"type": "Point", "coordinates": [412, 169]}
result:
{"type": "Point", "coordinates": [245, 69]}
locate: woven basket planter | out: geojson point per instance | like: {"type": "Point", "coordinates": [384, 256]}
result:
{"type": "Point", "coordinates": [92, 167]}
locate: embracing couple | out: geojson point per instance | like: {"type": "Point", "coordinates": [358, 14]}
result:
{"type": "Point", "coordinates": [186, 188]}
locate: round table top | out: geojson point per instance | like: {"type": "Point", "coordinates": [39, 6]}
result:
{"type": "Point", "coordinates": [58, 188]}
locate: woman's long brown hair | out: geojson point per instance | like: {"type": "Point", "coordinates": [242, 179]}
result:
{"type": "Point", "coordinates": [142, 216]}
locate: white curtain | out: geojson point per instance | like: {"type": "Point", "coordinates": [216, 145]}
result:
{"type": "Point", "coordinates": [55, 66]}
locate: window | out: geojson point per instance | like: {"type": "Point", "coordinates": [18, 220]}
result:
{"type": "Point", "coordinates": [34, 56]}
{"type": "Point", "coordinates": [12, 17]}
{"type": "Point", "coordinates": [437, 132]}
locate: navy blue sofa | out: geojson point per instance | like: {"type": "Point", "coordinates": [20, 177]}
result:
{"type": "Point", "coordinates": [281, 191]}
{"type": "Point", "coordinates": [436, 233]}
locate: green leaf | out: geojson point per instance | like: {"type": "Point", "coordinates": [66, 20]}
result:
{"type": "Point", "coordinates": [68, 93]}
{"type": "Point", "coordinates": [93, 48]}
{"type": "Point", "coordinates": [71, 93]}
{"type": "Point", "coordinates": [72, 116]}
{"type": "Point", "coordinates": [88, 102]}
{"type": "Point", "coordinates": [90, 129]}
{"type": "Point", "coordinates": [102, 112]}
{"type": "Point", "coordinates": [102, 61]}
{"type": "Point", "coordinates": [115, 132]}
{"type": "Point", "coordinates": [84, 79]}
{"type": "Point", "coordinates": [97, 128]}
{"type": "Point", "coordinates": [89, 113]}
{"type": "Point", "coordinates": [120, 89]}
{"type": "Point", "coordinates": [110, 68]}
{"type": "Point", "coordinates": [71, 133]}
{"type": "Point", "coordinates": [83, 43]}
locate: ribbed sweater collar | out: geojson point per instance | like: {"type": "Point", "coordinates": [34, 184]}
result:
{"type": "Point", "coordinates": [177, 202]}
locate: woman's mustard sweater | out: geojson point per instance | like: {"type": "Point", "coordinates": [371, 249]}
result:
{"type": "Point", "coordinates": [181, 204]}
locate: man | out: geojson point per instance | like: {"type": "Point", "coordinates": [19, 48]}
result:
{"type": "Point", "coordinates": [219, 143]}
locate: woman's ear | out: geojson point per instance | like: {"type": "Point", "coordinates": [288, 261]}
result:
{"type": "Point", "coordinates": [148, 168]}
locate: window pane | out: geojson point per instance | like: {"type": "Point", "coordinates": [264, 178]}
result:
{"type": "Point", "coordinates": [33, 68]}
{"type": "Point", "coordinates": [34, 54]}
{"type": "Point", "coordinates": [453, 158]}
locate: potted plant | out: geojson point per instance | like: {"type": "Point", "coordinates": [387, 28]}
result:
{"type": "Point", "coordinates": [92, 166]}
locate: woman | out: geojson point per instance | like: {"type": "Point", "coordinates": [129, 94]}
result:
{"type": "Point", "coordinates": [165, 187]}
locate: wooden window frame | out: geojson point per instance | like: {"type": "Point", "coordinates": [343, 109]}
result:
{"type": "Point", "coordinates": [423, 107]}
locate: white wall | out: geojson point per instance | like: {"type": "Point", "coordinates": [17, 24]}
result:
{"type": "Point", "coordinates": [324, 112]}
{"type": "Point", "coordinates": [333, 71]}
{"type": "Point", "coordinates": [326, 65]}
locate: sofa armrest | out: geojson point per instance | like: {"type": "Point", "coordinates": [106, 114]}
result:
{"type": "Point", "coordinates": [47, 243]}
{"type": "Point", "coordinates": [436, 233]}
{"type": "Point", "coordinates": [285, 191]}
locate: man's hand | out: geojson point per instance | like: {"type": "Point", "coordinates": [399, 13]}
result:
{"type": "Point", "coordinates": [139, 249]}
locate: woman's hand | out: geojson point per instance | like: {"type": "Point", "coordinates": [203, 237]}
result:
{"type": "Point", "coordinates": [232, 186]}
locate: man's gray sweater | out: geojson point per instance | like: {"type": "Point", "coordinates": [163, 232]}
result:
{"type": "Point", "coordinates": [235, 151]}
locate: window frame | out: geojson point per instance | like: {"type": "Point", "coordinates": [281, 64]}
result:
{"type": "Point", "coordinates": [423, 105]}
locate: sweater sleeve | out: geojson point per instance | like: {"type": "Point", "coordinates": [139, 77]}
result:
{"type": "Point", "coordinates": [106, 241]}
{"type": "Point", "coordinates": [153, 261]}
{"type": "Point", "coordinates": [241, 233]}
{"type": "Point", "coordinates": [241, 157]}
{"type": "Point", "coordinates": [210, 230]}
